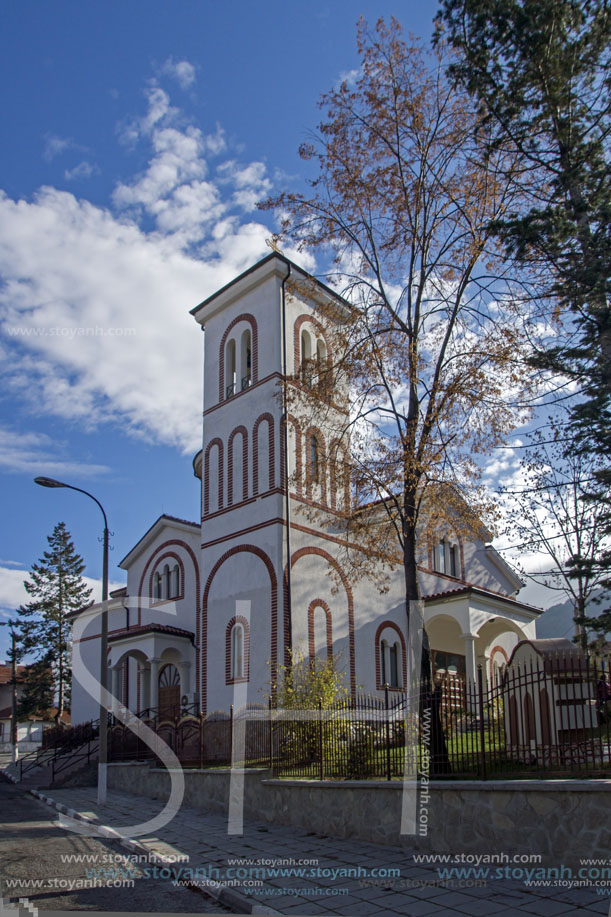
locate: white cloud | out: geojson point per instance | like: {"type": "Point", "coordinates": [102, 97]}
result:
{"type": "Point", "coordinates": [182, 71]}
{"type": "Point", "coordinates": [13, 593]}
{"type": "Point", "coordinates": [35, 453]}
{"type": "Point", "coordinates": [83, 170]}
{"type": "Point", "coordinates": [54, 146]}
{"type": "Point", "coordinates": [95, 301]}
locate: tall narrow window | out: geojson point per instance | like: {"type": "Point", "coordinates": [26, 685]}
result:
{"type": "Point", "coordinates": [393, 654]}
{"type": "Point", "coordinates": [237, 651]}
{"type": "Point", "coordinates": [167, 585]}
{"type": "Point", "coordinates": [175, 581]}
{"type": "Point", "coordinates": [158, 586]}
{"type": "Point", "coordinates": [314, 460]}
{"type": "Point", "coordinates": [306, 358]}
{"type": "Point", "coordinates": [453, 566]}
{"type": "Point", "coordinates": [383, 666]}
{"type": "Point", "coordinates": [246, 361]}
{"type": "Point", "coordinates": [230, 369]}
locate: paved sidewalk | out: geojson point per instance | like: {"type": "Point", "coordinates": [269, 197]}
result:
{"type": "Point", "coordinates": [339, 877]}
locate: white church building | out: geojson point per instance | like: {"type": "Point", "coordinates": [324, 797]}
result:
{"type": "Point", "coordinates": [217, 602]}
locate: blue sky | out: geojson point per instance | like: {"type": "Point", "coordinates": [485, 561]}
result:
{"type": "Point", "coordinates": [137, 138]}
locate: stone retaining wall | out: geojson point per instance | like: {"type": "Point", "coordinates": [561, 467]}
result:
{"type": "Point", "coordinates": [562, 820]}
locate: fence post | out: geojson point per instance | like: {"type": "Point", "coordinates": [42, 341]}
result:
{"type": "Point", "coordinates": [201, 740]}
{"type": "Point", "coordinates": [231, 735]}
{"type": "Point", "coordinates": [320, 744]}
{"type": "Point", "coordinates": [387, 733]}
{"type": "Point", "coordinates": [270, 734]}
{"type": "Point", "coordinates": [480, 704]}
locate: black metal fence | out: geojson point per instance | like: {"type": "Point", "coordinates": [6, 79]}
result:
{"type": "Point", "coordinates": [550, 716]}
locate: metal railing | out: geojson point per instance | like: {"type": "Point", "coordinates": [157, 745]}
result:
{"type": "Point", "coordinates": [547, 719]}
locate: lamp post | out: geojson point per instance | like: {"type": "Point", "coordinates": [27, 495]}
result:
{"type": "Point", "coordinates": [103, 758]}
{"type": "Point", "coordinates": [14, 739]}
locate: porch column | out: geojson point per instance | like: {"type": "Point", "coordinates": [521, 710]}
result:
{"type": "Point", "coordinates": [145, 687]}
{"type": "Point", "coordinates": [184, 670]}
{"type": "Point", "coordinates": [154, 687]}
{"type": "Point", "coordinates": [469, 641]}
{"type": "Point", "coordinates": [116, 688]}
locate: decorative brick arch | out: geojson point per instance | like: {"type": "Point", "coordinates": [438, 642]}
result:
{"type": "Point", "coordinates": [392, 626]}
{"type": "Point", "coordinates": [432, 541]}
{"type": "Point", "coordinates": [301, 320]}
{"type": "Point", "coordinates": [496, 649]}
{"type": "Point", "coordinates": [243, 432]}
{"type": "Point", "coordinates": [319, 552]}
{"type": "Point", "coordinates": [155, 569]}
{"type": "Point", "coordinates": [219, 444]}
{"type": "Point", "coordinates": [337, 459]}
{"type": "Point", "coordinates": [322, 463]}
{"type": "Point", "coordinates": [271, 472]}
{"type": "Point", "coordinates": [153, 560]}
{"type": "Point", "coordinates": [243, 317]}
{"type": "Point", "coordinates": [298, 462]}
{"type": "Point", "coordinates": [238, 549]}
{"type": "Point", "coordinates": [319, 603]}
{"type": "Point", "coordinates": [237, 619]}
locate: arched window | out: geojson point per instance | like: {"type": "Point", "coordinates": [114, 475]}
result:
{"type": "Point", "coordinates": [158, 593]}
{"type": "Point", "coordinates": [306, 358]}
{"type": "Point", "coordinates": [246, 361]}
{"type": "Point", "coordinates": [237, 651]}
{"type": "Point", "coordinates": [166, 582]}
{"type": "Point", "coordinates": [314, 460]}
{"type": "Point", "coordinates": [445, 558]}
{"type": "Point", "coordinates": [230, 369]}
{"type": "Point", "coordinates": [390, 657]}
{"type": "Point", "coordinates": [237, 648]}
{"type": "Point", "coordinates": [175, 581]}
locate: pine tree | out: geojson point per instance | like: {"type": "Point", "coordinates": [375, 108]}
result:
{"type": "Point", "coordinates": [37, 684]}
{"type": "Point", "coordinates": [56, 589]}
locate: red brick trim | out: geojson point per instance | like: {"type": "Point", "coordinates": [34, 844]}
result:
{"type": "Point", "coordinates": [181, 591]}
{"type": "Point", "coordinates": [237, 619]}
{"type": "Point", "coordinates": [243, 317]}
{"type": "Point", "coordinates": [237, 549]}
{"type": "Point", "coordinates": [243, 432]}
{"type": "Point", "coordinates": [216, 407]}
{"type": "Point", "coordinates": [337, 459]}
{"type": "Point", "coordinates": [432, 542]}
{"type": "Point", "coordinates": [319, 552]}
{"type": "Point", "coordinates": [229, 509]}
{"type": "Point", "coordinates": [298, 465]}
{"type": "Point", "coordinates": [252, 528]}
{"type": "Point", "coordinates": [271, 470]}
{"type": "Point", "coordinates": [496, 649]}
{"type": "Point", "coordinates": [397, 629]}
{"type": "Point", "coordinates": [322, 464]}
{"type": "Point", "coordinates": [319, 603]}
{"type": "Point", "coordinates": [219, 444]}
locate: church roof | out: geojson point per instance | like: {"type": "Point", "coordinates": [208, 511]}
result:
{"type": "Point", "coordinates": [486, 593]}
{"type": "Point", "coordinates": [151, 532]}
{"type": "Point", "coordinates": [267, 264]}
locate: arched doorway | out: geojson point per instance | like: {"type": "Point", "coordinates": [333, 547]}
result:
{"type": "Point", "coordinates": [169, 691]}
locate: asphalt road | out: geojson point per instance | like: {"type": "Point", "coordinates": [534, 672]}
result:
{"type": "Point", "coordinates": [37, 861]}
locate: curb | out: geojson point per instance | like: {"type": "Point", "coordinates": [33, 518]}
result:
{"type": "Point", "coordinates": [228, 897]}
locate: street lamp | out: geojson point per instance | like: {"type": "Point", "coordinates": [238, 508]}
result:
{"type": "Point", "coordinates": [14, 739]}
{"type": "Point", "coordinates": [103, 759]}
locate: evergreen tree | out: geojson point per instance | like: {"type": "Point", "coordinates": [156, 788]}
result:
{"type": "Point", "coordinates": [541, 71]}
{"type": "Point", "coordinates": [37, 696]}
{"type": "Point", "coordinates": [56, 589]}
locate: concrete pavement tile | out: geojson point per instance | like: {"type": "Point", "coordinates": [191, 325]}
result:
{"type": "Point", "coordinates": [479, 908]}
{"type": "Point", "coordinates": [362, 909]}
{"type": "Point", "coordinates": [420, 909]}
{"type": "Point", "coordinates": [451, 899]}
{"type": "Point", "coordinates": [599, 907]}
{"type": "Point", "coordinates": [546, 908]}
